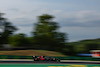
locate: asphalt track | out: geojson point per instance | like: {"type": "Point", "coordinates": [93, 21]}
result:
{"type": "Point", "coordinates": [46, 62]}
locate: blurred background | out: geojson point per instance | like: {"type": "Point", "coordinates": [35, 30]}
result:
{"type": "Point", "coordinates": [55, 27]}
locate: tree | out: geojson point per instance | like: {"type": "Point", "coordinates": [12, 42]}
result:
{"type": "Point", "coordinates": [92, 46]}
{"type": "Point", "coordinates": [80, 48]}
{"type": "Point", "coordinates": [46, 34]}
{"type": "Point", "coordinates": [19, 40]}
{"type": "Point", "coordinates": [85, 46]}
{"type": "Point", "coordinates": [6, 29]}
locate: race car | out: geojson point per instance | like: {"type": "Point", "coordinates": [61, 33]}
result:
{"type": "Point", "coordinates": [45, 58]}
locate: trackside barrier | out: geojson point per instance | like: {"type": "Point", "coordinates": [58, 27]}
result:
{"type": "Point", "coordinates": [79, 58]}
{"type": "Point", "coordinates": [49, 65]}
{"type": "Point", "coordinates": [62, 58]}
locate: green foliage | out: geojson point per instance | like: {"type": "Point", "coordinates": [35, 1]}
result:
{"type": "Point", "coordinates": [6, 29]}
{"type": "Point", "coordinates": [46, 34]}
{"type": "Point", "coordinates": [19, 40]}
{"type": "Point", "coordinates": [80, 48]}
{"type": "Point", "coordinates": [92, 46]}
{"type": "Point", "coordinates": [85, 46]}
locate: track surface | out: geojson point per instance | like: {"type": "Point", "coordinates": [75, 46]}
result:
{"type": "Point", "coordinates": [45, 62]}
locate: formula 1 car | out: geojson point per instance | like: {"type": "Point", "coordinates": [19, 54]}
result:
{"type": "Point", "coordinates": [45, 58]}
